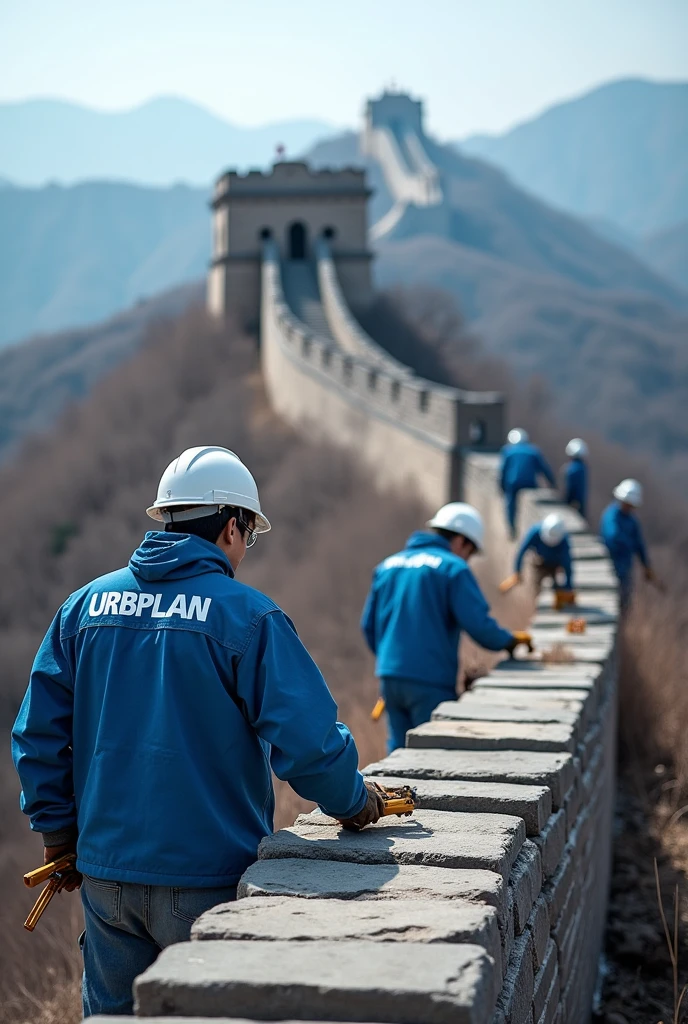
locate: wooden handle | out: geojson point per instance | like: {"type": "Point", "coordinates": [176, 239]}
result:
{"type": "Point", "coordinates": [38, 875]}
{"type": "Point", "coordinates": [41, 903]}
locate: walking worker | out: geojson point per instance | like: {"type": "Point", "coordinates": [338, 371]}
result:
{"type": "Point", "coordinates": [548, 542]}
{"type": "Point", "coordinates": [621, 532]}
{"type": "Point", "coordinates": [522, 464]}
{"type": "Point", "coordinates": [420, 601]}
{"type": "Point", "coordinates": [161, 697]}
{"type": "Point", "coordinates": [576, 476]}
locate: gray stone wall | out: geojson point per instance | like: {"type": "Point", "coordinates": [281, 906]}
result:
{"type": "Point", "coordinates": [487, 905]}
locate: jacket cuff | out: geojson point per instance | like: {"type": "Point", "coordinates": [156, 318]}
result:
{"type": "Point", "coordinates": [61, 837]}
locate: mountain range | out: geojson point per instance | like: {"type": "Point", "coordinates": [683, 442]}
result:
{"type": "Point", "coordinates": [162, 142]}
{"type": "Point", "coordinates": [620, 152]}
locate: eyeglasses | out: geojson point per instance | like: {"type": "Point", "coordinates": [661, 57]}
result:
{"type": "Point", "coordinates": [250, 532]}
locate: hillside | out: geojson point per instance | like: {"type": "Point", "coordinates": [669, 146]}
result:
{"type": "Point", "coordinates": [162, 142]}
{"type": "Point", "coordinates": [39, 377]}
{"type": "Point", "coordinates": [667, 252]}
{"type": "Point", "coordinates": [70, 256]}
{"type": "Point", "coordinates": [620, 152]}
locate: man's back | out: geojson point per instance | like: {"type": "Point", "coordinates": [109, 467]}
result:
{"type": "Point", "coordinates": [521, 465]}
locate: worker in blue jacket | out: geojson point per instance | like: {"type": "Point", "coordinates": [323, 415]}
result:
{"type": "Point", "coordinates": [522, 464]}
{"type": "Point", "coordinates": [623, 536]}
{"type": "Point", "coordinates": [420, 601]}
{"type": "Point", "coordinates": [576, 476]}
{"type": "Point", "coordinates": [548, 541]}
{"type": "Point", "coordinates": [162, 697]}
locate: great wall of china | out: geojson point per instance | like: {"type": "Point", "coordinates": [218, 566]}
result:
{"type": "Point", "coordinates": [487, 906]}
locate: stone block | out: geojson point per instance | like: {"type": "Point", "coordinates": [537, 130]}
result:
{"type": "Point", "coordinates": [525, 883]}
{"type": "Point", "coordinates": [532, 803]}
{"type": "Point", "coordinates": [551, 843]}
{"type": "Point", "coordinates": [284, 919]}
{"type": "Point", "coordinates": [438, 838]}
{"type": "Point", "coordinates": [569, 947]}
{"type": "Point", "coordinates": [572, 805]}
{"type": "Point", "coordinates": [555, 770]}
{"type": "Point", "coordinates": [538, 925]}
{"type": "Point", "coordinates": [539, 681]}
{"type": "Point", "coordinates": [465, 735]}
{"type": "Point", "coordinates": [544, 712]}
{"type": "Point", "coordinates": [556, 890]}
{"type": "Point", "coordinates": [593, 617]}
{"type": "Point", "coordinates": [323, 879]}
{"type": "Point", "coordinates": [550, 1004]}
{"type": "Point", "coordinates": [399, 983]}
{"type": "Point", "coordinates": [516, 998]}
{"type": "Point", "coordinates": [532, 667]}
{"type": "Point", "coordinates": [578, 704]}
{"type": "Point", "coordinates": [544, 979]}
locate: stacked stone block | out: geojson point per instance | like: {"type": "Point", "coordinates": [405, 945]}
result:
{"type": "Point", "coordinates": [486, 906]}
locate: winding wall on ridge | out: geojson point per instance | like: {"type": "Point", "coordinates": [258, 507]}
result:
{"type": "Point", "coordinates": [487, 906]}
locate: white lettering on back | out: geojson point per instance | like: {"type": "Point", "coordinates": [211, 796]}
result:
{"type": "Point", "coordinates": [178, 607]}
{"type": "Point", "coordinates": [112, 602]}
{"type": "Point", "coordinates": [412, 561]}
{"type": "Point", "coordinates": [92, 609]}
{"type": "Point", "coordinates": [145, 601]}
{"type": "Point", "coordinates": [198, 608]}
{"type": "Point", "coordinates": [128, 602]}
{"type": "Point", "coordinates": [155, 611]}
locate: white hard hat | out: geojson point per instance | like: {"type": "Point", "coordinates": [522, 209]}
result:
{"type": "Point", "coordinates": [552, 530]}
{"type": "Point", "coordinates": [630, 492]}
{"type": "Point", "coordinates": [577, 448]}
{"type": "Point", "coordinates": [460, 518]}
{"type": "Point", "coordinates": [517, 436]}
{"type": "Point", "coordinates": [208, 478]}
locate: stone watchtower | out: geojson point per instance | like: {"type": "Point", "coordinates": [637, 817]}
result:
{"type": "Point", "coordinates": [294, 206]}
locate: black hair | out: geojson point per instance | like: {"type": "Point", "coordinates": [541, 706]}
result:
{"type": "Point", "coordinates": [450, 534]}
{"type": "Point", "coordinates": [210, 527]}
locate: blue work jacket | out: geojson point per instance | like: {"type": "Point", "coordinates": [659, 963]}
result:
{"type": "Point", "coordinates": [557, 557]}
{"type": "Point", "coordinates": [576, 484]}
{"type": "Point", "coordinates": [623, 537]}
{"type": "Point", "coordinates": [160, 698]}
{"type": "Point", "coordinates": [420, 601]}
{"type": "Point", "coordinates": [521, 466]}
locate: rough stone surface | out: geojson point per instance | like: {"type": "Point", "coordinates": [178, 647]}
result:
{"type": "Point", "coordinates": [556, 770]}
{"type": "Point", "coordinates": [516, 997]}
{"type": "Point", "coordinates": [532, 803]}
{"type": "Point", "coordinates": [538, 681]}
{"type": "Point", "coordinates": [592, 616]}
{"type": "Point", "coordinates": [525, 883]}
{"type": "Point", "coordinates": [492, 711]}
{"type": "Point", "coordinates": [544, 979]}
{"type": "Point", "coordinates": [538, 925]}
{"type": "Point", "coordinates": [439, 838]}
{"type": "Point", "coordinates": [281, 918]}
{"type": "Point", "coordinates": [463, 735]}
{"type": "Point", "coordinates": [551, 842]}
{"type": "Point", "coordinates": [324, 879]}
{"type": "Point", "coordinates": [398, 983]}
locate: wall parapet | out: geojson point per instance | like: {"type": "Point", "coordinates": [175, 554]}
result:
{"type": "Point", "coordinates": [488, 905]}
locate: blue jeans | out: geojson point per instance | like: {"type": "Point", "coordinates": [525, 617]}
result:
{"type": "Point", "coordinates": [511, 499]}
{"type": "Point", "coordinates": [127, 925]}
{"type": "Point", "coordinates": [408, 703]}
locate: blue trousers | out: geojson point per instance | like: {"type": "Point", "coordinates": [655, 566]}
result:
{"type": "Point", "coordinates": [511, 499]}
{"type": "Point", "coordinates": [127, 925]}
{"type": "Point", "coordinates": [408, 703]}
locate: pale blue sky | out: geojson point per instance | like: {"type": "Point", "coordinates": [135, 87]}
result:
{"type": "Point", "coordinates": [481, 65]}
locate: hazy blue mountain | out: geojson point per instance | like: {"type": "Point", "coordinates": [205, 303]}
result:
{"type": "Point", "coordinates": [71, 256]}
{"type": "Point", "coordinates": [619, 153]}
{"type": "Point", "coordinates": [667, 252]}
{"type": "Point", "coordinates": [162, 142]}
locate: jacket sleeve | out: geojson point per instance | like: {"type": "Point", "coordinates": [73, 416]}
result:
{"type": "Point", "coordinates": [569, 486]}
{"type": "Point", "coordinates": [525, 544]}
{"type": "Point", "coordinates": [472, 612]}
{"type": "Point", "coordinates": [368, 619]}
{"type": "Point", "coordinates": [42, 740]}
{"type": "Point", "coordinates": [640, 547]}
{"type": "Point", "coordinates": [546, 471]}
{"type": "Point", "coordinates": [290, 707]}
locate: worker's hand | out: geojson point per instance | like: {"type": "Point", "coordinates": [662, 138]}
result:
{"type": "Point", "coordinates": [372, 811]}
{"type": "Point", "coordinates": [652, 577]}
{"type": "Point", "coordinates": [519, 637]}
{"type": "Point", "coordinates": [51, 853]}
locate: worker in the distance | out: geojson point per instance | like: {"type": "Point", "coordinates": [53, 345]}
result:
{"type": "Point", "coordinates": [161, 699]}
{"type": "Point", "coordinates": [548, 545]}
{"type": "Point", "coordinates": [576, 476]}
{"type": "Point", "coordinates": [621, 532]}
{"type": "Point", "coordinates": [522, 464]}
{"type": "Point", "coordinates": [420, 601]}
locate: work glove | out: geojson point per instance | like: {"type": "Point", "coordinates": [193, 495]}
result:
{"type": "Point", "coordinates": [519, 637]}
{"type": "Point", "coordinates": [373, 810]}
{"type": "Point", "coordinates": [509, 583]}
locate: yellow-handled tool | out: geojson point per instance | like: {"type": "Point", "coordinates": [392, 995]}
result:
{"type": "Point", "coordinates": [376, 713]}
{"type": "Point", "coordinates": [56, 873]}
{"type": "Point", "coordinates": [509, 583]}
{"type": "Point", "coordinates": [402, 800]}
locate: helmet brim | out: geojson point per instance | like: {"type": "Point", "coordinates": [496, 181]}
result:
{"type": "Point", "coordinates": [155, 512]}
{"type": "Point", "coordinates": [459, 533]}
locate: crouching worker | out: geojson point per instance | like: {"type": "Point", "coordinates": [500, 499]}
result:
{"type": "Point", "coordinates": [576, 476]}
{"type": "Point", "coordinates": [622, 534]}
{"type": "Point", "coordinates": [160, 698]}
{"type": "Point", "coordinates": [522, 465]}
{"type": "Point", "coordinates": [547, 543]}
{"type": "Point", "coordinates": [420, 601]}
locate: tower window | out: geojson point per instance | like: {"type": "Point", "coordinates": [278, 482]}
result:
{"type": "Point", "coordinates": [297, 241]}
